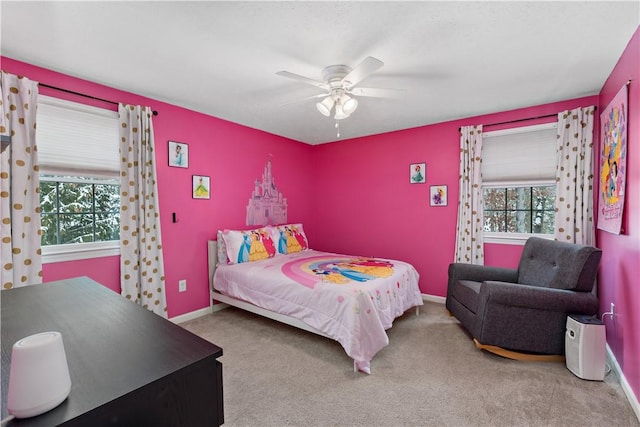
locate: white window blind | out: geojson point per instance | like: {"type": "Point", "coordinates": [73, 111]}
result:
{"type": "Point", "coordinates": [76, 139]}
{"type": "Point", "coordinates": [520, 155]}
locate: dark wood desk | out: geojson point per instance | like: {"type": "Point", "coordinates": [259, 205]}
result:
{"type": "Point", "coordinates": [128, 366]}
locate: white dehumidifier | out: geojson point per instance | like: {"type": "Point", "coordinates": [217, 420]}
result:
{"type": "Point", "coordinates": [584, 344]}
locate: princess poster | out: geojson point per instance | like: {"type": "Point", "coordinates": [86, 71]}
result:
{"type": "Point", "coordinates": [613, 163]}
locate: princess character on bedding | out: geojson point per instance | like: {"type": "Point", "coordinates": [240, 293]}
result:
{"type": "Point", "coordinates": [293, 245]}
{"type": "Point", "coordinates": [370, 267]}
{"type": "Point", "coordinates": [267, 241]}
{"type": "Point", "coordinates": [299, 237]}
{"type": "Point", "coordinates": [245, 248]}
{"type": "Point", "coordinates": [257, 250]}
{"type": "Point", "coordinates": [329, 276]}
{"type": "Point", "coordinates": [282, 241]}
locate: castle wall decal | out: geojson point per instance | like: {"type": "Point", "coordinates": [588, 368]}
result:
{"type": "Point", "coordinates": [266, 205]}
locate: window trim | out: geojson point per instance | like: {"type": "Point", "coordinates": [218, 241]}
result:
{"type": "Point", "coordinates": [512, 238]}
{"type": "Point", "coordinates": [79, 251]}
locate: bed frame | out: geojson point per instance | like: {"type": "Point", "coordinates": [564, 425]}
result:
{"type": "Point", "coordinates": [212, 250]}
{"type": "Point", "coordinates": [216, 296]}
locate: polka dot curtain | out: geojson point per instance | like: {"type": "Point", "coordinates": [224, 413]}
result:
{"type": "Point", "coordinates": [19, 184]}
{"type": "Point", "coordinates": [469, 231]}
{"type": "Point", "coordinates": [141, 262]}
{"type": "Point", "coordinates": [574, 177]}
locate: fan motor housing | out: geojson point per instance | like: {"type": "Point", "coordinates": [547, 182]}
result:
{"type": "Point", "coordinates": [333, 75]}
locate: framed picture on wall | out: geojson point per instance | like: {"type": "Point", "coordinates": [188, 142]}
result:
{"type": "Point", "coordinates": [178, 154]}
{"type": "Point", "coordinates": [438, 195]}
{"type": "Point", "coordinates": [418, 174]}
{"type": "Point", "coordinates": [201, 187]}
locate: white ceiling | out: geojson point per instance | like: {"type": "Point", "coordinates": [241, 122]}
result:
{"type": "Point", "coordinates": [452, 59]}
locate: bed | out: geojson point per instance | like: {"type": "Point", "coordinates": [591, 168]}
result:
{"type": "Point", "coordinates": [350, 299]}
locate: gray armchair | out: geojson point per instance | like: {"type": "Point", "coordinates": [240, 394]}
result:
{"type": "Point", "coordinates": [524, 310]}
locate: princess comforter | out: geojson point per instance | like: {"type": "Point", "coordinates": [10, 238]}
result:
{"type": "Point", "coordinates": [353, 300]}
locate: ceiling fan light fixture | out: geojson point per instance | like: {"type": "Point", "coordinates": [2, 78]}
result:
{"type": "Point", "coordinates": [349, 104]}
{"type": "Point", "coordinates": [340, 113]}
{"type": "Point", "coordinates": [325, 106]}
{"type": "Point", "coordinates": [338, 81]}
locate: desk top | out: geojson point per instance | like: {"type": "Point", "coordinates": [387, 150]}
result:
{"type": "Point", "coordinates": [113, 345]}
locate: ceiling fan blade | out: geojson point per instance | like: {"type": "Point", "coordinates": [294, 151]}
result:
{"type": "Point", "coordinates": [376, 92]}
{"type": "Point", "coordinates": [296, 101]}
{"type": "Point", "coordinates": [307, 80]}
{"type": "Point", "coordinates": [366, 67]}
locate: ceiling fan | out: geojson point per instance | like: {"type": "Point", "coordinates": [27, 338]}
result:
{"type": "Point", "coordinates": [339, 82]}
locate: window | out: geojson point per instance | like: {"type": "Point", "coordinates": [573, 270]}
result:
{"type": "Point", "coordinates": [79, 210]}
{"type": "Point", "coordinates": [79, 180]}
{"type": "Point", "coordinates": [519, 168]}
{"type": "Point", "coordinates": [520, 209]}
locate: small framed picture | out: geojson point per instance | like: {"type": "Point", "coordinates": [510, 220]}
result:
{"type": "Point", "coordinates": [178, 154]}
{"type": "Point", "coordinates": [418, 173]}
{"type": "Point", "coordinates": [201, 187]}
{"type": "Point", "coordinates": [438, 195]}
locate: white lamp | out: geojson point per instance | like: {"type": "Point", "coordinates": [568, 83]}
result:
{"type": "Point", "coordinates": [325, 106]}
{"type": "Point", "coordinates": [340, 113]}
{"type": "Point", "coordinates": [349, 104]}
{"type": "Point", "coordinates": [344, 104]}
{"type": "Point", "coordinates": [39, 375]}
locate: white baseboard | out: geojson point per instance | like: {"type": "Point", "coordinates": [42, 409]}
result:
{"type": "Point", "coordinates": [631, 397]}
{"type": "Point", "coordinates": [191, 315]}
{"type": "Point", "coordinates": [433, 298]}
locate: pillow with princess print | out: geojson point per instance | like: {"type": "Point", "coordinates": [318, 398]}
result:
{"type": "Point", "coordinates": [248, 245]}
{"type": "Point", "coordinates": [290, 238]}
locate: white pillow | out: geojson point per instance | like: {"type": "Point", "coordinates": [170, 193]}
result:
{"type": "Point", "coordinates": [222, 249]}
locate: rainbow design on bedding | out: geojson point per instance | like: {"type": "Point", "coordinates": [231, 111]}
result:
{"type": "Point", "coordinates": [339, 270]}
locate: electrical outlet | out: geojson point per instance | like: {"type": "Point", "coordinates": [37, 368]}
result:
{"type": "Point", "coordinates": [182, 285]}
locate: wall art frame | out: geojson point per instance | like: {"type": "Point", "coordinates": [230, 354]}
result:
{"type": "Point", "coordinates": [418, 173]}
{"type": "Point", "coordinates": [178, 154]}
{"type": "Point", "coordinates": [201, 187]}
{"type": "Point", "coordinates": [613, 162]}
{"type": "Point", "coordinates": [438, 195]}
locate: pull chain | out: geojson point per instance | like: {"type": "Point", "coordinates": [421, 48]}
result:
{"type": "Point", "coordinates": [338, 130]}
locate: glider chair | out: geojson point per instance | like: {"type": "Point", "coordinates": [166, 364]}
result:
{"type": "Point", "coordinates": [522, 313]}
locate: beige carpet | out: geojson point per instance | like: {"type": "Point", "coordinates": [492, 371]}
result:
{"type": "Point", "coordinates": [430, 374]}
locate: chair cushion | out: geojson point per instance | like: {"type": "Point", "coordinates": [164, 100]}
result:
{"type": "Point", "coordinates": [466, 293]}
{"type": "Point", "coordinates": [559, 265]}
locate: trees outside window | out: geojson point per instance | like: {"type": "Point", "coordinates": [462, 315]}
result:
{"type": "Point", "coordinates": [79, 210]}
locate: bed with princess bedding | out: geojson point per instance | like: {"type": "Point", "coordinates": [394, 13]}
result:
{"type": "Point", "coordinates": [352, 299]}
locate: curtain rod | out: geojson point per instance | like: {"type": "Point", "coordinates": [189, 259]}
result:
{"type": "Point", "coordinates": [522, 120]}
{"type": "Point", "coordinates": [546, 116]}
{"type": "Point", "coordinates": [518, 120]}
{"type": "Point", "coordinates": [155, 113]}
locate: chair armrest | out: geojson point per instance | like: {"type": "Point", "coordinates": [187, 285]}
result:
{"type": "Point", "coordinates": [480, 273]}
{"type": "Point", "coordinates": [538, 298]}
{"type": "Point", "coordinates": [477, 273]}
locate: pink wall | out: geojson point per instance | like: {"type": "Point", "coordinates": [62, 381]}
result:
{"type": "Point", "coordinates": [232, 155]}
{"type": "Point", "coordinates": [620, 266]}
{"type": "Point", "coordinates": [367, 205]}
